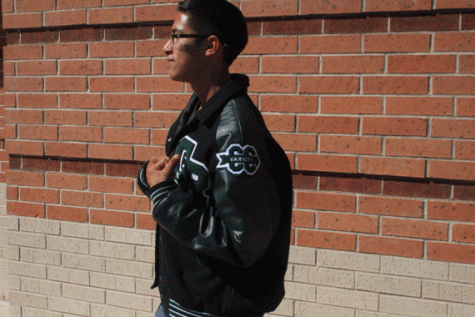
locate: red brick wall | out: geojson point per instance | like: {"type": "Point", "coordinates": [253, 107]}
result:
{"type": "Point", "coordinates": [375, 112]}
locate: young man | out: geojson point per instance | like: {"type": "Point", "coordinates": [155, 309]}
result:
{"type": "Point", "coordinates": [223, 194]}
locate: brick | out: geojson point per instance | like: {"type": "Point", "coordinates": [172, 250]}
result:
{"type": "Point", "coordinates": [290, 64]}
{"type": "Point", "coordinates": [81, 35]}
{"type": "Point", "coordinates": [92, 67]}
{"type": "Point", "coordinates": [405, 85]}
{"type": "Point", "coordinates": [154, 120]}
{"type": "Point", "coordinates": [391, 207]}
{"type": "Point", "coordinates": [39, 195]}
{"type": "Point", "coordinates": [261, 8]}
{"type": "Point", "coordinates": [327, 163]}
{"type": "Point", "coordinates": [85, 199]}
{"type": "Point", "coordinates": [35, 132]}
{"type": "Point", "coordinates": [111, 84]}
{"type": "Point", "coordinates": [144, 153]}
{"type": "Point", "coordinates": [25, 299]}
{"type": "Point", "coordinates": [25, 209]}
{"type": "Point", "coordinates": [127, 136]}
{"type": "Point", "coordinates": [83, 167]}
{"type": "Point", "coordinates": [419, 229]}
{"type": "Point", "coordinates": [326, 240]}
{"type": "Point", "coordinates": [63, 51]}
{"type": "Point", "coordinates": [65, 181]}
{"type": "Point", "coordinates": [463, 233]}
{"type": "Point", "coordinates": [84, 134]}
{"type": "Point", "coordinates": [78, 101]}
{"type": "Point", "coordinates": [464, 192]}
{"type": "Point", "coordinates": [63, 149]}
{"type": "Point", "coordinates": [348, 222]}
{"type": "Point", "coordinates": [329, 7]}
{"type": "Point", "coordinates": [24, 148]}
{"type": "Point", "coordinates": [391, 246]}
{"type": "Point", "coordinates": [451, 4]}
{"type": "Point", "coordinates": [127, 101]}
{"type": "Point", "coordinates": [329, 85]}
{"type": "Point", "coordinates": [351, 144]}
{"type": "Point", "coordinates": [112, 152]}
{"type": "Point", "coordinates": [328, 124]}
{"type": "Point", "coordinates": [352, 64]}
{"type": "Point", "coordinates": [7, 6]}
{"type": "Point", "coordinates": [40, 100]}
{"type": "Point", "coordinates": [79, 230]}
{"type": "Point", "coordinates": [97, 310]}
{"type": "Point", "coordinates": [111, 185]}
{"type": "Point", "coordinates": [67, 213]}
{"type": "Point", "coordinates": [467, 64]}
{"type": "Point", "coordinates": [303, 219]}
{"type": "Point", "coordinates": [145, 221]}
{"type": "Point", "coordinates": [436, 22]}
{"type": "Point", "coordinates": [158, 84]}
{"type": "Point", "coordinates": [150, 48]}
{"type": "Point", "coordinates": [155, 13]}
{"type": "Point", "coordinates": [160, 66]}
{"type": "Point", "coordinates": [69, 306]}
{"type": "Point", "coordinates": [349, 25]}
{"type": "Point", "coordinates": [82, 293]}
{"type": "Point", "coordinates": [451, 128]}
{"type": "Point", "coordinates": [282, 123]}
{"type": "Point", "coordinates": [420, 64]}
{"type": "Point", "coordinates": [330, 44]}
{"type": "Point", "coordinates": [396, 43]}
{"type": "Point", "coordinates": [296, 142]}
{"type": "Point", "coordinates": [350, 184]}
{"type": "Point", "coordinates": [63, 117]}
{"type": "Point", "coordinates": [129, 33]}
{"type": "Point", "coordinates": [454, 42]}
{"type": "Point", "coordinates": [61, 84]}
{"type": "Point", "coordinates": [8, 68]}
{"type": "Point", "coordinates": [30, 5]}
{"type": "Point", "coordinates": [19, 21]}
{"type": "Point", "coordinates": [112, 218]}
{"type": "Point", "coordinates": [460, 85]}
{"type": "Point", "coordinates": [64, 18]}
{"type": "Point", "coordinates": [464, 150]}
{"type": "Point", "coordinates": [428, 106]}
{"type": "Point", "coordinates": [280, 103]}
{"type": "Point", "coordinates": [352, 105]}
{"type": "Point", "coordinates": [303, 181]}
{"type": "Point", "coordinates": [114, 250]}
{"type": "Point", "coordinates": [169, 101]}
{"type": "Point", "coordinates": [110, 118]}
{"type": "Point", "coordinates": [41, 164]}
{"type": "Point", "coordinates": [111, 49]}
{"type": "Point", "coordinates": [110, 15]}
{"type": "Point", "coordinates": [128, 203]}
{"type": "Point", "coordinates": [468, 21]}
{"type": "Point", "coordinates": [451, 252]}
{"type": "Point", "coordinates": [395, 126]}
{"type": "Point", "coordinates": [418, 147]}
{"type": "Point", "coordinates": [246, 65]}
{"type": "Point", "coordinates": [393, 304]}
{"type": "Point", "coordinates": [24, 116]}
{"type": "Point", "coordinates": [35, 36]}
{"type": "Point", "coordinates": [325, 201]}
{"type": "Point", "coordinates": [400, 5]}
{"type": "Point", "coordinates": [417, 188]}
{"type": "Point", "coordinates": [22, 178]}
{"type": "Point", "coordinates": [75, 4]}
{"type": "Point", "coordinates": [36, 68]}
{"type": "Point", "coordinates": [23, 84]}
{"type": "Point", "coordinates": [73, 245]}
{"type": "Point", "coordinates": [347, 298]}
{"type": "Point", "coordinates": [392, 167]}
{"type": "Point", "coordinates": [452, 170]}
{"type": "Point", "coordinates": [128, 67]}
{"type": "Point", "coordinates": [291, 27]}
{"type": "Point", "coordinates": [271, 45]}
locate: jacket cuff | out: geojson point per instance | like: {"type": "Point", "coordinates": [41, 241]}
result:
{"type": "Point", "coordinates": [142, 180]}
{"type": "Point", "coordinates": [160, 190]}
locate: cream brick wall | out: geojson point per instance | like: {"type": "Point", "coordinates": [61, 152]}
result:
{"type": "Point", "coordinates": [65, 269]}
{"type": "Point", "coordinates": [4, 253]}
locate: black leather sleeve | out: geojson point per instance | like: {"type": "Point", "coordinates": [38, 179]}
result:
{"type": "Point", "coordinates": [238, 222]}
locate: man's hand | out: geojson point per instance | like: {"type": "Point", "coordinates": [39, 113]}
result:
{"type": "Point", "coordinates": [160, 169]}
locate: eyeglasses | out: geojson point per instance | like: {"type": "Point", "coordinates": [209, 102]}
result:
{"type": "Point", "coordinates": [173, 36]}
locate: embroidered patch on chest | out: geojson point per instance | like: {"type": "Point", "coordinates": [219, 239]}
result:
{"type": "Point", "coordinates": [239, 159]}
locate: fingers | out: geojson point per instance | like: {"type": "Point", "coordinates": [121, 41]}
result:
{"type": "Point", "coordinates": [171, 164]}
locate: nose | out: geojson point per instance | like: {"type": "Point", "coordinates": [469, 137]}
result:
{"type": "Point", "coordinates": [167, 49]}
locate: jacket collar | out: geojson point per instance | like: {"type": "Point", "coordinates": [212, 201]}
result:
{"type": "Point", "coordinates": [238, 83]}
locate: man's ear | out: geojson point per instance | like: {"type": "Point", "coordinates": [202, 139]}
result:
{"type": "Point", "coordinates": [214, 46]}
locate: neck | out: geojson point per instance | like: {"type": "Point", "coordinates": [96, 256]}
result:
{"type": "Point", "coordinates": [209, 84]}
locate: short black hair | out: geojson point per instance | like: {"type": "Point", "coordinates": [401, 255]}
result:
{"type": "Point", "coordinates": [220, 18]}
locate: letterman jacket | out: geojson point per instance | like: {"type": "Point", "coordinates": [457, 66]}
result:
{"type": "Point", "coordinates": [223, 223]}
